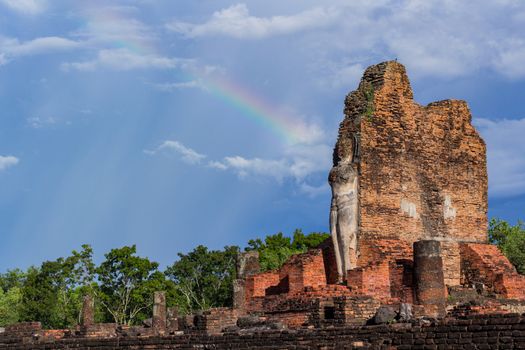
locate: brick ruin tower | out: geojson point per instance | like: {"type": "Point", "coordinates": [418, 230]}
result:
{"type": "Point", "coordinates": [404, 171]}
{"type": "Point", "coordinates": [408, 219]}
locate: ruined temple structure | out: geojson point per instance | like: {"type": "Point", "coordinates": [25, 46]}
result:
{"type": "Point", "coordinates": [408, 251]}
{"type": "Point", "coordinates": [408, 219]}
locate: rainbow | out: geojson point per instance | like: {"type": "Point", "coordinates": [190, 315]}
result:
{"type": "Point", "coordinates": [257, 109]}
{"type": "Point", "coordinates": [290, 130]}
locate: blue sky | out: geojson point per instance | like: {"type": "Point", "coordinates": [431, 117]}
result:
{"type": "Point", "coordinates": [175, 123]}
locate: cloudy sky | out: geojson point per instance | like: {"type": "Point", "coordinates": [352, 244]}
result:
{"type": "Point", "coordinates": [175, 123]}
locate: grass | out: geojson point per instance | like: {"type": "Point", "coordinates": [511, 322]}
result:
{"type": "Point", "coordinates": [369, 95]}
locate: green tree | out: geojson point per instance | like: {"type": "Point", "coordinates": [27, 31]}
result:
{"type": "Point", "coordinates": [74, 279]}
{"type": "Point", "coordinates": [12, 278]}
{"type": "Point", "coordinates": [11, 296]}
{"type": "Point", "coordinates": [157, 281]}
{"type": "Point", "coordinates": [39, 296]}
{"type": "Point", "coordinates": [203, 278]}
{"type": "Point", "coordinates": [277, 248]}
{"type": "Point", "coordinates": [126, 282]}
{"type": "Point", "coordinates": [10, 306]}
{"type": "Point", "coordinates": [309, 241]}
{"type": "Point", "coordinates": [52, 294]}
{"type": "Point", "coordinates": [511, 240]}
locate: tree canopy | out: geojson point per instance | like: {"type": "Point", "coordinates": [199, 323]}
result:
{"type": "Point", "coordinates": [511, 240]}
{"type": "Point", "coordinates": [123, 283]}
{"type": "Point", "coordinates": [275, 249]}
{"type": "Point", "coordinates": [203, 278]}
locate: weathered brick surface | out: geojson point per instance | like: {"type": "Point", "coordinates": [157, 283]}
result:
{"type": "Point", "coordinates": [213, 321]}
{"type": "Point", "coordinates": [486, 306]}
{"type": "Point", "coordinates": [98, 330]}
{"type": "Point", "coordinates": [485, 265]}
{"type": "Point", "coordinates": [299, 272]}
{"type": "Point", "coordinates": [428, 278]}
{"type": "Point", "coordinates": [247, 264]}
{"type": "Point", "coordinates": [402, 281]}
{"type": "Point", "coordinates": [478, 332]}
{"type": "Point", "coordinates": [304, 270]}
{"type": "Point", "coordinates": [422, 169]}
{"type": "Point", "coordinates": [159, 319]}
{"type": "Point", "coordinates": [88, 310]}
{"type": "Point", "coordinates": [257, 285]}
{"type": "Point", "coordinates": [450, 254]}
{"type": "Point", "coordinates": [374, 250]}
{"type": "Point", "coordinates": [329, 261]}
{"type": "Point", "coordinates": [372, 280]}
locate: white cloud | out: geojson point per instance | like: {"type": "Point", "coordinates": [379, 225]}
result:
{"type": "Point", "coordinates": [110, 24]}
{"type": "Point", "coordinates": [39, 122]}
{"type": "Point", "coordinates": [298, 162]}
{"type": "Point", "coordinates": [107, 26]}
{"type": "Point", "coordinates": [314, 191]}
{"type": "Point", "coordinates": [170, 87]}
{"type": "Point", "coordinates": [188, 155]}
{"type": "Point", "coordinates": [244, 167]}
{"type": "Point", "coordinates": [7, 162]}
{"type": "Point", "coordinates": [29, 7]}
{"type": "Point", "coordinates": [432, 38]}
{"type": "Point", "coordinates": [11, 47]}
{"type": "Point", "coordinates": [310, 158]}
{"type": "Point", "coordinates": [510, 58]}
{"type": "Point", "coordinates": [306, 133]}
{"type": "Point", "coordinates": [236, 21]}
{"type": "Point", "coordinates": [124, 59]}
{"type": "Point", "coordinates": [40, 45]}
{"type": "Point", "coordinates": [346, 75]}
{"type": "Point", "coordinates": [505, 150]}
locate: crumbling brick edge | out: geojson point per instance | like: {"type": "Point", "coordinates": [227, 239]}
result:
{"type": "Point", "coordinates": [495, 331]}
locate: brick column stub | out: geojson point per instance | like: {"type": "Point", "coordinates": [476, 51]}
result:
{"type": "Point", "coordinates": [239, 294]}
{"type": "Point", "coordinates": [429, 279]}
{"type": "Point", "coordinates": [159, 311]}
{"type": "Point", "coordinates": [88, 311]}
{"type": "Point", "coordinates": [247, 264]}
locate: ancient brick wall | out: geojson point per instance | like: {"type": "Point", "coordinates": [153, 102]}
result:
{"type": "Point", "coordinates": [300, 271]}
{"type": "Point", "coordinates": [372, 280]}
{"type": "Point", "coordinates": [213, 321]}
{"type": "Point", "coordinates": [374, 250]}
{"type": "Point", "coordinates": [257, 285]}
{"type": "Point", "coordinates": [422, 169]}
{"type": "Point", "coordinates": [329, 261]}
{"type": "Point", "coordinates": [402, 281]}
{"type": "Point", "coordinates": [450, 253]}
{"type": "Point", "coordinates": [480, 332]}
{"type": "Point", "coordinates": [485, 265]}
{"type": "Point", "coordinates": [358, 310]}
{"type": "Point", "coordinates": [400, 253]}
{"type": "Point", "coordinates": [304, 270]}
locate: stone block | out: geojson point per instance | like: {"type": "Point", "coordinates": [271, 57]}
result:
{"type": "Point", "coordinates": [159, 312]}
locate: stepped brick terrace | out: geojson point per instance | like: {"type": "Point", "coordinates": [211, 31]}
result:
{"type": "Point", "coordinates": [408, 251]}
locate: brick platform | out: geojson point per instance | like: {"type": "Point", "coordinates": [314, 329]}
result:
{"type": "Point", "coordinates": [479, 332]}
